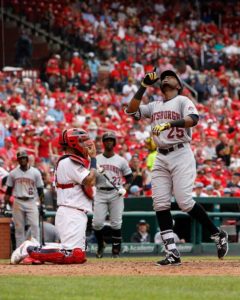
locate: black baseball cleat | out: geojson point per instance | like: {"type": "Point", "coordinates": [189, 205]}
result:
{"type": "Point", "coordinates": [221, 241]}
{"type": "Point", "coordinates": [169, 260]}
{"type": "Point", "coordinates": [100, 251]}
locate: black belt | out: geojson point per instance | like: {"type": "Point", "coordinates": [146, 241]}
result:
{"type": "Point", "coordinates": [106, 188]}
{"type": "Point", "coordinates": [24, 198]}
{"type": "Point", "coordinates": [171, 149]}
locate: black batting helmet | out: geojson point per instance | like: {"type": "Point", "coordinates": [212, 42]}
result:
{"type": "Point", "coordinates": [21, 154]}
{"type": "Point", "coordinates": [171, 73]}
{"type": "Point", "coordinates": [109, 135]}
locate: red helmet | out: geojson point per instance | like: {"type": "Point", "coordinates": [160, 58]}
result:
{"type": "Point", "coordinates": [78, 139]}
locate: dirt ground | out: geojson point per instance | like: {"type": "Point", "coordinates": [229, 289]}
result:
{"type": "Point", "coordinates": [199, 267]}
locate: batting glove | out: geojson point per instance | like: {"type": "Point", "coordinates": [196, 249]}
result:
{"type": "Point", "coordinates": [150, 78]}
{"type": "Point", "coordinates": [122, 192]}
{"type": "Point", "coordinates": [157, 129]}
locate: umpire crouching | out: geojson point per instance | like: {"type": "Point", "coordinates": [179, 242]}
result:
{"type": "Point", "coordinates": [24, 183]}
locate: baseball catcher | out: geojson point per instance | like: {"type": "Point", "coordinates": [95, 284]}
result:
{"type": "Point", "coordinates": [74, 179]}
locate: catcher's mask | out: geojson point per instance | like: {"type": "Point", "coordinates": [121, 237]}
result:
{"type": "Point", "coordinates": [109, 135]}
{"type": "Point", "coordinates": [171, 73]}
{"type": "Point", "coordinates": [77, 139]}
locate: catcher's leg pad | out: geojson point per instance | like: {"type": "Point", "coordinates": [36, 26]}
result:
{"type": "Point", "coordinates": [76, 256]}
{"type": "Point", "coordinates": [57, 256]}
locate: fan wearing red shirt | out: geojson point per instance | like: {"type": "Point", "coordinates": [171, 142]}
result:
{"type": "Point", "coordinates": [219, 175]}
{"type": "Point", "coordinates": [44, 146]}
{"type": "Point", "coordinates": [209, 131]}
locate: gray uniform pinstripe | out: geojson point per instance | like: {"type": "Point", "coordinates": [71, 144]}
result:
{"type": "Point", "coordinates": [25, 184]}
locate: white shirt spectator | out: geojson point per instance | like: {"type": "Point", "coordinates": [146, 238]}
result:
{"type": "Point", "coordinates": [128, 92]}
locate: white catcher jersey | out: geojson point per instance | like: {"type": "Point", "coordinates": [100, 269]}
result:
{"type": "Point", "coordinates": [25, 183]}
{"type": "Point", "coordinates": [70, 172]}
{"type": "Point", "coordinates": [174, 109]}
{"type": "Point", "coordinates": [115, 167]}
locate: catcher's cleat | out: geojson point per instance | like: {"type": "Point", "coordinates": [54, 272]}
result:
{"type": "Point", "coordinates": [170, 260]}
{"type": "Point", "coordinates": [221, 241]}
{"type": "Point", "coordinates": [30, 261]}
{"type": "Point", "coordinates": [115, 256]}
{"type": "Point", "coordinates": [21, 252]}
{"type": "Point", "coordinates": [100, 251]}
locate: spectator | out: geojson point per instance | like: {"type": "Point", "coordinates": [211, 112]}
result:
{"type": "Point", "coordinates": [139, 174]}
{"type": "Point", "coordinates": [198, 190]}
{"type": "Point", "coordinates": [224, 149]}
{"type": "Point", "coordinates": [227, 192]}
{"type": "Point", "coordinates": [209, 150]}
{"type": "Point", "coordinates": [94, 65]}
{"type": "Point", "coordinates": [134, 191]}
{"type": "Point", "coordinates": [8, 153]}
{"type": "Point", "coordinates": [235, 181]}
{"type": "Point", "coordinates": [128, 91]}
{"type": "Point", "coordinates": [142, 234]}
{"type": "Point", "coordinates": [13, 111]}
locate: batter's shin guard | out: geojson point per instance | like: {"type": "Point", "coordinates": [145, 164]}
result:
{"type": "Point", "coordinates": [57, 256]}
{"type": "Point", "coordinates": [168, 240]}
{"type": "Point", "coordinates": [116, 242]}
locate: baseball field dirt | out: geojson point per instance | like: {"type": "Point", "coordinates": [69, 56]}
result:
{"type": "Point", "coordinates": [129, 266]}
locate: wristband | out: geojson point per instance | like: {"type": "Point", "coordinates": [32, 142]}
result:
{"type": "Point", "coordinates": [139, 93]}
{"type": "Point", "coordinates": [178, 123]}
{"type": "Point", "coordinates": [93, 163]}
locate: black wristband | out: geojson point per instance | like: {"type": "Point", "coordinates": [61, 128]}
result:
{"type": "Point", "coordinates": [93, 163]}
{"type": "Point", "coordinates": [139, 93]}
{"type": "Point", "coordinates": [178, 123]}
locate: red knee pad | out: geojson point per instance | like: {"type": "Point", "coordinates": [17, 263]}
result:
{"type": "Point", "coordinates": [77, 256]}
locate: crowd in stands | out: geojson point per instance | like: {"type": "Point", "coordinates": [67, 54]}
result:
{"type": "Point", "coordinates": [117, 42]}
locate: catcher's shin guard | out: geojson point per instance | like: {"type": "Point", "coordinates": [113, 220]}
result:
{"type": "Point", "coordinates": [57, 256]}
{"type": "Point", "coordinates": [116, 242]}
{"type": "Point", "coordinates": [76, 256]}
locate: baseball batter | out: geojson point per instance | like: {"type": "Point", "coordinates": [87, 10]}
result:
{"type": "Point", "coordinates": [108, 199]}
{"type": "Point", "coordinates": [24, 182]}
{"type": "Point", "coordinates": [174, 170]}
{"type": "Point", "coordinates": [75, 177]}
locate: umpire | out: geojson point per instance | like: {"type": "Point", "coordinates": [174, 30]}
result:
{"type": "Point", "coordinates": [24, 183]}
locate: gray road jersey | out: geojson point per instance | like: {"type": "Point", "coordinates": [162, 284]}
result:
{"type": "Point", "coordinates": [174, 109]}
{"type": "Point", "coordinates": [115, 167]}
{"type": "Point", "coordinates": [25, 184]}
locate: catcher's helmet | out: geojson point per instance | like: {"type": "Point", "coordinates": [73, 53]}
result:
{"type": "Point", "coordinates": [21, 154]}
{"type": "Point", "coordinates": [62, 140]}
{"type": "Point", "coordinates": [171, 73]}
{"type": "Point", "coordinates": [109, 135]}
{"type": "Point", "coordinates": [77, 139]}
